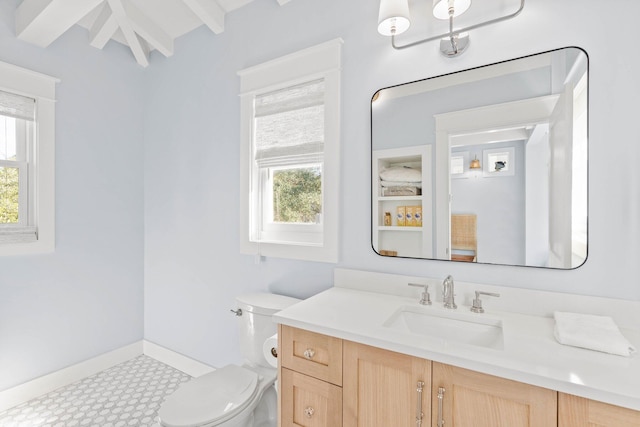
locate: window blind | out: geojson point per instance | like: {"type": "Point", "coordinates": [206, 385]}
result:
{"type": "Point", "coordinates": [289, 124]}
{"type": "Point", "coordinates": [17, 106]}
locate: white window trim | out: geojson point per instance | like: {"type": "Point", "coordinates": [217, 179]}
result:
{"type": "Point", "coordinates": [320, 61]}
{"type": "Point", "coordinates": [42, 88]}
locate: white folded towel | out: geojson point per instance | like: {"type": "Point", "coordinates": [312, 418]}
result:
{"type": "Point", "coordinates": [400, 184]}
{"type": "Point", "coordinates": [598, 333]}
{"type": "Point", "coordinates": [401, 174]}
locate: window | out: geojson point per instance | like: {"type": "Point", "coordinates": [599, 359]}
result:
{"type": "Point", "coordinates": [499, 162]}
{"type": "Point", "coordinates": [16, 177]}
{"type": "Point", "coordinates": [290, 155]}
{"type": "Point", "coordinates": [288, 146]}
{"type": "Point", "coordinates": [26, 161]}
{"type": "Point", "coordinates": [459, 164]}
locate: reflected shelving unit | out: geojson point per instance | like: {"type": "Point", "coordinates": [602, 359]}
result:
{"type": "Point", "coordinates": [404, 241]}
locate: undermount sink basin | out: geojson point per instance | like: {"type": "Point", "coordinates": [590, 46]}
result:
{"type": "Point", "coordinates": [452, 327]}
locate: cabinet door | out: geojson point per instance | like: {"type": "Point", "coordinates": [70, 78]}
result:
{"type": "Point", "coordinates": [472, 399]}
{"type": "Point", "coordinates": [309, 402]}
{"type": "Point", "coordinates": [579, 412]}
{"type": "Point", "coordinates": [381, 387]}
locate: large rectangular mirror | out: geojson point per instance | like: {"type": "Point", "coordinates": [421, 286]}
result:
{"type": "Point", "coordinates": [487, 165]}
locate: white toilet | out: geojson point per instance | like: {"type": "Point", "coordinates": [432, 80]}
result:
{"type": "Point", "coordinates": [234, 396]}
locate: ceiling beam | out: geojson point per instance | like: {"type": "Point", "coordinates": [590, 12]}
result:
{"type": "Point", "coordinates": [210, 12]}
{"type": "Point", "coordinates": [149, 30]}
{"type": "Point", "coordinates": [138, 47]}
{"type": "Point", "coordinates": [103, 28]}
{"type": "Point", "coordinates": [41, 22]}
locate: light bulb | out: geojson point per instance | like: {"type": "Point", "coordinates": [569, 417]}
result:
{"type": "Point", "coordinates": [441, 8]}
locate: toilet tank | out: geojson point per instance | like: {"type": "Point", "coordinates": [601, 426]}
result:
{"type": "Point", "coordinates": [256, 323]}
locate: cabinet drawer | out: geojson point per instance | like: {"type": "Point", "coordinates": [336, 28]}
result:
{"type": "Point", "coordinates": [309, 402]}
{"type": "Point", "coordinates": [313, 354]}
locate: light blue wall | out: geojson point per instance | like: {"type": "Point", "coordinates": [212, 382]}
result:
{"type": "Point", "coordinates": [417, 125]}
{"type": "Point", "coordinates": [87, 297]}
{"type": "Point", "coordinates": [193, 268]}
{"type": "Point", "coordinates": [498, 203]}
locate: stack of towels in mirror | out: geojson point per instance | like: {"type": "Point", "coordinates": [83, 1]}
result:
{"type": "Point", "coordinates": [598, 333]}
{"type": "Point", "coordinates": [401, 181]}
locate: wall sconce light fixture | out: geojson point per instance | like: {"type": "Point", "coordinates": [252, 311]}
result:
{"type": "Point", "coordinates": [394, 19]}
{"type": "Point", "coordinates": [475, 163]}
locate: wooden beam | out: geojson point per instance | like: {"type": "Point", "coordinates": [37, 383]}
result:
{"type": "Point", "coordinates": [103, 28]}
{"type": "Point", "coordinates": [42, 21]}
{"type": "Point", "coordinates": [149, 30]}
{"type": "Point", "coordinates": [138, 47]}
{"type": "Point", "coordinates": [210, 12]}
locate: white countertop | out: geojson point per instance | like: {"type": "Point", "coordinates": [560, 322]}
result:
{"type": "Point", "coordinates": [530, 355]}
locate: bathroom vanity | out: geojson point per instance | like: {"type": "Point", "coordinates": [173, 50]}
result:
{"type": "Point", "coordinates": [351, 357]}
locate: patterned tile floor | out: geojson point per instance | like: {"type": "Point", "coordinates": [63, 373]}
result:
{"type": "Point", "coordinates": [128, 394]}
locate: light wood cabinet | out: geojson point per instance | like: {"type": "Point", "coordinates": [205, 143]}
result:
{"type": "Point", "coordinates": [464, 398]}
{"type": "Point", "coordinates": [327, 382]}
{"type": "Point", "coordinates": [580, 412]}
{"type": "Point", "coordinates": [380, 387]}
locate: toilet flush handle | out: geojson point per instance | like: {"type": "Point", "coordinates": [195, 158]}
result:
{"type": "Point", "coordinates": [237, 312]}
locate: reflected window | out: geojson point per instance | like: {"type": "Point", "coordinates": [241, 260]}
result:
{"type": "Point", "coordinates": [457, 165]}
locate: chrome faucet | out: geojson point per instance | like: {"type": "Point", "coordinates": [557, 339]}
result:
{"type": "Point", "coordinates": [425, 298]}
{"type": "Point", "coordinates": [477, 302]}
{"type": "Point", "coordinates": [447, 293]}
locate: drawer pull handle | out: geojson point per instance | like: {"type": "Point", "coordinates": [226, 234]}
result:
{"type": "Point", "coordinates": [309, 353]}
{"type": "Point", "coordinates": [308, 412]}
{"type": "Point", "coordinates": [419, 413]}
{"type": "Point", "coordinates": [441, 391]}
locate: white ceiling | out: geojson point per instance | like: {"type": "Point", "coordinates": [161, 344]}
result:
{"type": "Point", "coordinates": [143, 25]}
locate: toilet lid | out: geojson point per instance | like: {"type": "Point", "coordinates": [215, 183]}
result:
{"type": "Point", "coordinates": [215, 396]}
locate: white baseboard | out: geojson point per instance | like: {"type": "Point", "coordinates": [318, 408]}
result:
{"type": "Point", "coordinates": [50, 382]}
{"type": "Point", "coordinates": [47, 383]}
{"type": "Point", "coordinates": [176, 360]}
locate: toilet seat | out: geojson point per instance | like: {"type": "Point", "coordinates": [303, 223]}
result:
{"type": "Point", "coordinates": [210, 399]}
